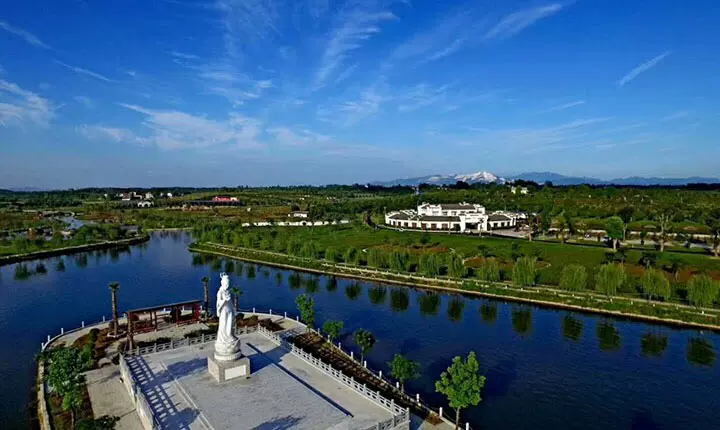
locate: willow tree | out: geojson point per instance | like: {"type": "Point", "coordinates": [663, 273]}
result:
{"type": "Point", "coordinates": [702, 290]}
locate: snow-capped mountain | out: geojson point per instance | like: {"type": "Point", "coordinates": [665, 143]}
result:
{"type": "Point", "coordinates": [470, 178]}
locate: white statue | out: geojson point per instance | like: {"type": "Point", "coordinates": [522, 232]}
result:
{"type": "Point", "coordinates": [227, 345]}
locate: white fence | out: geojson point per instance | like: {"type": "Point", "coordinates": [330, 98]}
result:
{"type": "Point", "coordinates": [145, 412]}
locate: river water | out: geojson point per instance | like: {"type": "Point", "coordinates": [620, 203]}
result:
{"type": "Point", "coordinates": [545, 368]}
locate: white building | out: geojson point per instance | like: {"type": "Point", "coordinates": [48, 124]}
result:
{"type": "Point", "coordinates": [149, 196]}
{"type": "Point", "coordinates": [521, 190]}
{"type": "Point", "coordinates": [460, 217]}
{"type": "Point", "coordinates": [298, 214]}
{"type": "Point", "coordinates": [144, 204]}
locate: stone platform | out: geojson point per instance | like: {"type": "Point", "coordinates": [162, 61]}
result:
{"type": "Point", "coordinates": [225, 370]}
{"type": "Point", "coordinates": [282, 392]}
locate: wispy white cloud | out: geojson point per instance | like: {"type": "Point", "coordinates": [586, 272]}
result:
{"type": "Point", "coordinates": [114, 134]}
{"type": "Point", "coordinates": [287, 136]}
{"type": "Point", "coordinates": [446, 37]}
{"type": "Point", "coordinates": [564, 106]}
{"type": "Point", "coordinates": [518, 21]}
{"type": "Point", "coordinates": [19, 107]}
{"type": "Point", "coordinates": [355, 28]}
{"type": "Point", "coordinates": [677, 115]}
{"type": "Point", "coordinates": [86, 72]}
{"type": "Point", "coordinates": [172, 129]}
{"type": "Point", "coordinates": [246, 21]}
{"type": "Point", "coordinates": [85, 101]}
{"type": "Point", "coordinates": [420, 96]}
{"type": "Point", "coordinates": [24, 34]}
{"type": "Point", "coordinates": [184, 56]}
{"type": "Point", "coordinates": [644, 67]}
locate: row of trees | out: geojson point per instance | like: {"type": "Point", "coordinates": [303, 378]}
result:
{"type": "Point", "coordinates": [461, 383]}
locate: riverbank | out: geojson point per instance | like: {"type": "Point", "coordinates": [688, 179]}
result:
{"type": "Point", "coordinates": [620, 307]}
{"type": "Point", "coordinates": [10, 259]}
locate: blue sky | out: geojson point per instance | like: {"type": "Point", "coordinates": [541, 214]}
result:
{"type": "Point", "coordinates": [258, 92]}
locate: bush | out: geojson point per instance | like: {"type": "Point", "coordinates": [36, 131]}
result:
{"type": "Point", "coordinates": [573, 278]}
{"type": "Point", "coordinates": [377, 258]}
{"type": "Point", "coordinates": [398, 261]}
{"type": "Point", "coordinates": [429, 265]}
{"type": "Point", "coordinates": [524, 271]}
{"type": "Point", "coordinates": [332, 254]}
{"type": "Point", "coordinates": [456, 266]}
{"type": "Point", "coordinates": [609, 278]}
{"type": "Point", "coordinates": [489, 271]}
{"type": "Point", "coordinates": [655, 284]}
{"type": "Point", "coordinates": [310, 250]}
{"type": "Point", "coordinates": [352, 256]}
{"type": "Point", "coordinates": [702, 290]}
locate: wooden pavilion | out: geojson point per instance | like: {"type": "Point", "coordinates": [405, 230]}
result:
{"type": "Point", "coordinates": [152, 318]}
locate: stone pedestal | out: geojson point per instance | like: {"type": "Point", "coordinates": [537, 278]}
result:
{"type": "Point", "coordinates": [225, 370]}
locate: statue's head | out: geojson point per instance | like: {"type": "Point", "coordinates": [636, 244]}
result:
{"type": "Point", "coordinates": [224, 281]}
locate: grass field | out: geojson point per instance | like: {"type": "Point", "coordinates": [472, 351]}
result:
{"type": "Point", "coordinates": [552, 256]}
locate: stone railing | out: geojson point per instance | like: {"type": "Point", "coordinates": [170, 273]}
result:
{"type": "Point", "coordinates": [189, 341]}
{"type": "Point", "coordinates": [144, 411]}
{"type": "Point", "coordinates": [400, 415]}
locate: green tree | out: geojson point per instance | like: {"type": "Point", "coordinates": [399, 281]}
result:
{"type": "Point", "coordinates": [655, 284]}
{"type": "Point", "coordinates": [65, 367]}
{"type": "Point", "coordinates": [333, 255]}
{"type": "Point", "coordinates": [310, 250]}
{"type": "Point", "coordinates": [573, 277]}
{"type": "Point", "coordinates": [403, 369]}
{"type": "Point", "coordinates": [456, 266]}
{"type": "Point", "coordinates": [398, 261]}
{"type": "Point", "coordinates": [462, 384]}
{"type": "Point", "coordinates": [114, 287]}
{"type": "Point", "coordinates": [524, 271]}
{"type": "Point", "coordinates": [377, 258]}
{"type": "Point", "coordinates": [429, 265]}
{"type": "Point", "coordinates": [712, 220]}
{"type": "Point", "coordinates": [365, 340]}
{"type": "Point", "coordinates": [626, 215]}
{"type": "Point", "coordinates": [702, 290]}
{"type": "Point", "coordinates": [352, 256]}
{"type": "Point", "coordinates": [489, 270]}
{"type": "Point", "coordinates": [615, 228]}
{"type": "Point", "coordinates": [105, 422]}
{"type": "Point", "coordinates": [332, 329]}
{"type": "Point", "coordinates": [609, 278]}
{"type": "Point", "coordinates": [306, 306]}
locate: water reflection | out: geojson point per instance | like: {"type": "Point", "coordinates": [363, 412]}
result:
{"type": "Point", "coordinates": [429, 303]}
{"type": "Point", "coordinates": [60, 265]}
{"type": "Point", "coordinates": [399, 299]}
{"type": "Point", "coordinates": [653, 344]}
{"type": "Point", "coordinates": [572, 328]}
{"type": "Point", "coordinates": [353, 290]}
{"type": "Point", "coordinates": [488, 312]}
{"type": "Point", "coordinates": [312, 284]}
{"type": "Point", "coordinates": [331, 284]}
{"type": "Point", "coordinates": [250, 271]}
{"type": "Point", "coordinates": [295, 281]}
{"type": "Point", "coordinates": [81, 260]}
{"type": "Point", "coordinates": [229, 266]}
{"type": "Point", "coordinates": [608, 336]}
{"type": "Point", "coordinates": [700, 352]}
{"type": "Point", "coordinates": [455, 309]}
{"type": "Point", "coordinates": [377, 294]}
{"type": "Point", "coordinates": [522, 320]}
{"type": "Point", "coordinates": [278, 278]}
{"type": "Point", "coordinates": [216, 264]}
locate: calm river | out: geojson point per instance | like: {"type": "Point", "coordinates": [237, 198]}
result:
{"type": "Point", "coordinates": [545, 369]}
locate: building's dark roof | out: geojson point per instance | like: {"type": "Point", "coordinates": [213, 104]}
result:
{"type": "Point", "coordinates": [435, 218]}
{"type": "Point", "coordinates": [456, 206]}
{"type": "Point", "coordinates": [400, 216]}
{"type": "Point", "coordinates": [499, 217]}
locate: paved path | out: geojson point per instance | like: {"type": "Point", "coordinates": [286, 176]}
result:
{"type": "Point", "coordinates": [108, 396]}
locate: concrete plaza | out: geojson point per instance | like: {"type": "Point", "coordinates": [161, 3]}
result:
{"type": "Point", "coordinates": [283, 392]}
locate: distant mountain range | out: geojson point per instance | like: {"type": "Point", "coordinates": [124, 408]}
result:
{"type": "Point", "coordinates": [542, 177]}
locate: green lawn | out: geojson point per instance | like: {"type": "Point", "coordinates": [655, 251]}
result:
{"type": "Point", "coordinates": [552, 255]}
